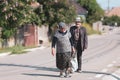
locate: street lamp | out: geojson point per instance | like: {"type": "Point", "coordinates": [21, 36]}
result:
{"type": "Point", "coordinates": [108, 4]}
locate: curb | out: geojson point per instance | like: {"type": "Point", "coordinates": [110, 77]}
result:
{"type": "Point", "coordinates": [32, 49]}
{"type": "Point", "coordinates": [5, 54]}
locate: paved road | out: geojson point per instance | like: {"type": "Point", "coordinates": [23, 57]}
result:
{"type": "Point", "coordinates": [101, 61]}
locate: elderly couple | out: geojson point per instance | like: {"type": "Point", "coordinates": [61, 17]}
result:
{"type": "Point", "coordinates": [68, 43]}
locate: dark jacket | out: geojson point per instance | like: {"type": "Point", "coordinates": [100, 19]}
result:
{"type": "Point", "coordinates": [83, 37]}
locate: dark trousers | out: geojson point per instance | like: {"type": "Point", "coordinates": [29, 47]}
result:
{"type": "Point", "coordinates": [79, 57]}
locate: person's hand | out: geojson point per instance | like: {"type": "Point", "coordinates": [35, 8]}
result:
{"type": "Point", "coordinates": [53, 51]}
{"type": "Point", "coordinates": [73, 50]}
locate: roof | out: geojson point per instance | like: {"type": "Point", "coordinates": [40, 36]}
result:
{"type": "Point", "coordinates": [79, 9]}
{"type": "Point", "coordinates": [114, 12]}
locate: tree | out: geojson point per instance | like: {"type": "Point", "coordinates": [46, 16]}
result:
{"type": "Point", "coordinates": [15, 13]}
{"type": "Point", "coordinates": [111, 20]}
{"type": "Point", "coordinates": [95, 12]}
{"type": "Point", "coordinates": [57, 10]}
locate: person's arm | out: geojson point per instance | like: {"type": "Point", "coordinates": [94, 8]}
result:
{"type": "Point", "coordinates": [54, 40]}
{"type": "Point", "coordinates": [72, 45]}
{"type": "Point", "coordinates": [86, 40]}
{"type": "Point", "coordinates": [72, 36]}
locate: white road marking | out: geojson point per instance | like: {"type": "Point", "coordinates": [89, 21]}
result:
{"type": "Point", "coordinates": [104, 70]}
{"type": "Point", "coordinates": [100, 75]}
{"type": "Point", "coordinates": [116, 74]}
{"type": "Point", "coordinates": [109, 65]}
{"type": "Point", "coordinates": [109, 78]}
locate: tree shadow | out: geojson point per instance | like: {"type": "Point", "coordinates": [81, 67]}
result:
{"type": "Point", "coordinates": [34, 67]}
{"type": "Point", "coordinates": [46, 75]}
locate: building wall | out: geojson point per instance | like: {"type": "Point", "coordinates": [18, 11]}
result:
{"type": "Point", "coordinates": [31, 35]}
{"type": "Point", "coordinates": [99, 27]}
{"type": "Point", "coordinates": [43, 34]}
{"type": "Point", "coordinates": [28, 35]}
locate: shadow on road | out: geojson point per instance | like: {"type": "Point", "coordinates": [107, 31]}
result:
{"type": "Point", "coordinates": [54, 70]}
{"type": "Point", "coordinates": [46, 75]}
{"type": "Point", "coordinates": [34, 67]}
{"type": "Point", "coordinates": [38, 67]}
{"type": "Point", "coordinates": [94, 72]}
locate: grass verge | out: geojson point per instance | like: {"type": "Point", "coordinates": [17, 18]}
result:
{"type": "Point", "coordinates": [18, 49]}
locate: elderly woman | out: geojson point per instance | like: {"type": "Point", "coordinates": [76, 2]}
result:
{"type": "Point", "coordinates": [62, 40]}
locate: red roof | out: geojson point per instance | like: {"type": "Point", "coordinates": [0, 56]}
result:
{"type": "Point", "coordinates": [114, 12]}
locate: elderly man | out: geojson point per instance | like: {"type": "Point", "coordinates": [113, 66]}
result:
{"type": "Point", "coordinates": [80, 41]}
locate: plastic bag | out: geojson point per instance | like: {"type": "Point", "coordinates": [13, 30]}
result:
{"type": "Point", "coordinates": [74, 63]}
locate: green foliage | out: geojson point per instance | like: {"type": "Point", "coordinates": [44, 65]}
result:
{"type": "Point", "coordinates": [18, 49]}
{"type": "Point", "coordinates": [7, 32]}
{"type": "Point", "coordinates": [57, 11]}
{"type": "Point", "coordinates": [90, 30]}
{"type": "Point", "coordinates": [15, 13]}
{"type": "Point", "coordinates": [111, 20]}
{"type": "Point", "coordinates": [95, 12]}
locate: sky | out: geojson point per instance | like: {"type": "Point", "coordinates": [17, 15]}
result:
{"type": "Point", "coordinates": [112, 3]}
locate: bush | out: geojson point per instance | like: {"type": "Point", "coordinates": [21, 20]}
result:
{"type": "Point", "coordinates": [90, 30]}
{"type": "Point", "coordinates": [18, 49]}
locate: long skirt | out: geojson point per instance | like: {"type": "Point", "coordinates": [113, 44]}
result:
{"type": "Point", "coordinates": [63, 60]}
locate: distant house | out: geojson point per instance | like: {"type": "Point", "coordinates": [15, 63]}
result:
{"type": "Point", "coordinates": [79, 9]}
{"type": "Point", "coordinates": [113, 12]}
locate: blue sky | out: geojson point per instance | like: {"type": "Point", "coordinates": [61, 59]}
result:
{"type": "Point", "coordinates": [112, 3]}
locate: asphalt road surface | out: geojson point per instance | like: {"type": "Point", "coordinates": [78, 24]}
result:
{"type": "Point", "coordinates": [101, 61]}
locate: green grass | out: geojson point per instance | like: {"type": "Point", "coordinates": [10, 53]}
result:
{"type": "Point", "coordinates": [18, 49]}
{"type": "Point", "coordinates": [2, 50]}
{"type": "Point", "coordinates": [90, 30]}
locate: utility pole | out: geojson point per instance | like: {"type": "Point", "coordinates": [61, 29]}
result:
{"type": "Point", "coordinates": [108, 5]}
